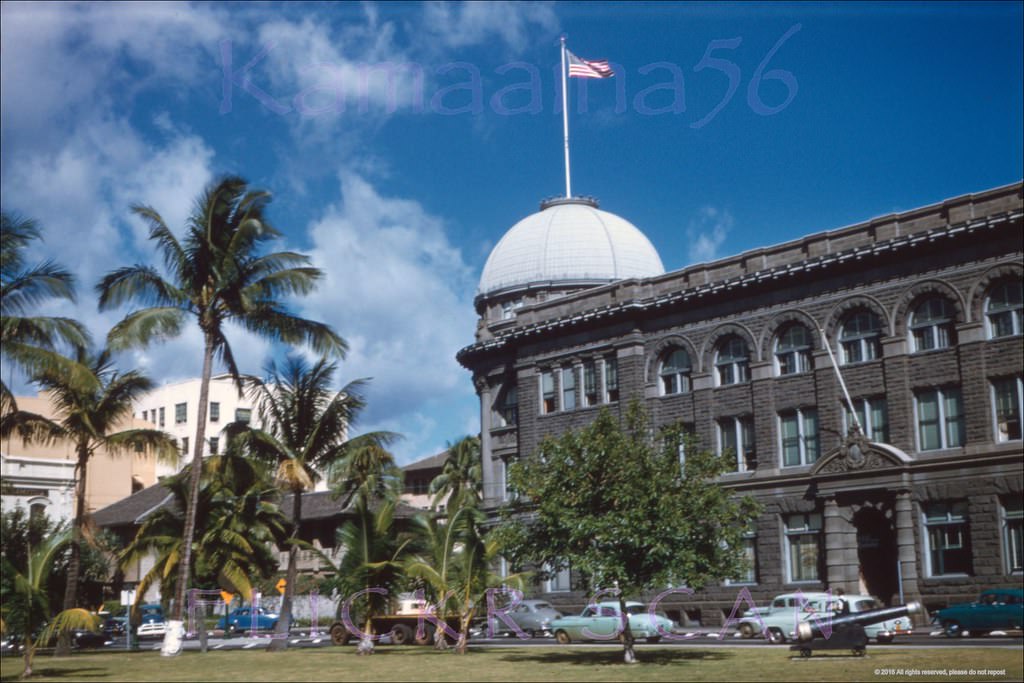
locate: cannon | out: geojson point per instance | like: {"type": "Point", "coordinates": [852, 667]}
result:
{"type": "Point", "coordinates": [847, 629]}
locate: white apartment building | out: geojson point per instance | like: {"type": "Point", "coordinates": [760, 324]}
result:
{"type": "Point", "coordinates": [173, 408]}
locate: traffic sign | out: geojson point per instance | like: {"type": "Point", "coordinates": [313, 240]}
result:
{"type": "Point", "coordinates": [227, 597]}
{"type": "Point", "coordinates": [280, 586]}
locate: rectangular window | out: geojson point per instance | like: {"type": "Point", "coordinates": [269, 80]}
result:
{"type": "Point", "coordinates": [214, 445]}
{"type": "Point", "coordinates": [940, 419]}
{"type": "Point", "coordinates": [948, 537]}
{"type": "Point", "coordinates": [798, 430]}
{"type": "Point", "coordinates": [184, 445]}
{"type": "Point", "coordinates": [1013, 547]}
{"type": "Point", "coordinates": [161, 417]}
{"type": "Point", "coordinates": [180, 413]}
{"type": "Point", "coordinates": [547, 390]}
{"type": "Point", "coordinates": [736, 436]}
{"type": "Point", "coordinates": [611, 379]}
{"type": "Point", "coordinates": [1008, 398]}
{"type": "Point", "coordinates": [590, 388]}
{"type": "Point", "coordinates": [243, 415]}
{"type": "Point", "coordinates": [568, 388]}
{"type": "Point", "coordinates": [873, 416]}
{"type": "Point", "coordinates": [803, 545]}
{"type": "Point", "coordinates": [748, 574]}
{"type": "Point", "coordinates": [145, 416]}
{"type": "Point", "coordinates": [214, 411]}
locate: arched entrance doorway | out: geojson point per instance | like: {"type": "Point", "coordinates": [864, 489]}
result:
{"type": "Point", "coordinates": [877, 554]}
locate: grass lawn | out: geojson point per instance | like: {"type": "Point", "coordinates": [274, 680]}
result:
{"type": "Point", "coordinates": [528, 664]}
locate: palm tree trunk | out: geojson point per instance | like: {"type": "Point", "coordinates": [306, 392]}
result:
{"type": "Point", "coordinates": [175, 627]}
{"type": "Point", "coordinates": [30, 652]}
{"type": "Point", "coordinates": [280, 641]}
{"type": "Point", "coordinates": [75, 561]}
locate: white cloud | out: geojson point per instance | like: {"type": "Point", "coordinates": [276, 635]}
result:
{"type": "Point", "coordinates": [475, 23]}
{"type": "Point", "coordinates": [81, 145]}
{"type": "Point", "coordinates": [401, 295]}
{"type": "Point", "coordinates": [707, 232]}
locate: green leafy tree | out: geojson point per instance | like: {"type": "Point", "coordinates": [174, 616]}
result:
{"type": "Point", "coordinates": [86, 415]}
{"type": "Point", "coordinates": [614, 502]}
{"type": "Point", "coordinates": [306, 426]}
{"type": "Point", "coordinates": [216, 275]}
{"type": "Point", "coordinates": [28, 341]}
{"type": "Point", "coordinates": [461, 478]}
{"type": "Point", "coordinates": [241, 523]}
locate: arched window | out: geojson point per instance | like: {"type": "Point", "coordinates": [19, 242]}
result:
{"type": "Point", "coordinates": [675, 372]}
{"type": "Point", "coordinates": [793, 351]}
{"type": "Point", "coordinates": [860, 337]}
{"type": "Point", "coordinates": [732, 361]}
{"type": "Point", "coordinates": [1003, 309]}
{"type": "Point", "coordinates": [931, 325]}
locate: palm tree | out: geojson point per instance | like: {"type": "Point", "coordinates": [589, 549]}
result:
{"type": "Point", "coordinates": [305, 432]}
{"type": "Point", "coordinates": [372, 559]}
{"type": "Point", "coordinates": [86, 415]}
{"type": "Point", "coordinates": [216, 275]}
{"type": "Point", "coordinates": [241, 521]}
{"type": "Point", "coordinates": [455, 565]}
{"type": "Point", "coordinates": [460, 480]}
{"type": "Point", "coordinates": [26, 341]}
{"type": "Point", "coordinates": [27, 606]}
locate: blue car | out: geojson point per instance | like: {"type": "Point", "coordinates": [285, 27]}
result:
{"type": "Point", "coordinates": [243, 619]}
{"type": "Point", "coordinates": [997, 609]}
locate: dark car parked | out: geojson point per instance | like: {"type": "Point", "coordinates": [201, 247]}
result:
{"type": "Point", "coordinates": [997, 609]}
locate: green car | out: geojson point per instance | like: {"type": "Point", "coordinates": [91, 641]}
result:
{"type": "Point", "coordinates": [602, 622]}
{"type": "Point", "coordinates": [997, 609]}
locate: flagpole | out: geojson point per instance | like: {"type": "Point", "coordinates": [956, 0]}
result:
{"type": "Point", "coordinates": [565, 123]}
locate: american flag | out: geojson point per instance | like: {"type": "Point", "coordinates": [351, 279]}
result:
{"type": "Point", "coordinates": [586, 68]}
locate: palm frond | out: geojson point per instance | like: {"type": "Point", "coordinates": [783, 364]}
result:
{"type": "Point", "coordinates": [145, 326]}
{"type": "Point", "coordinates": [138, 284]}
{"type": "Point", "coordinates": [275, 323]}
{"type": "Point", "coordinates": [67, 621]}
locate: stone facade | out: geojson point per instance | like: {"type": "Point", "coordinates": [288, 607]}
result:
{"type": "Point", "coordinates": [925, 505]}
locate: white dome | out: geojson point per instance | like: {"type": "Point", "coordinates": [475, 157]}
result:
{"type": "Point", "coordinates": [569, 241]}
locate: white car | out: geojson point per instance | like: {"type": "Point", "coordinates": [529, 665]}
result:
{"type": "Point", "coordinates": [151, 629]}
{"type": "Point", "coordinates": [781, 618]}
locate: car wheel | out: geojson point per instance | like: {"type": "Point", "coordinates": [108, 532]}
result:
{"type": "Point", "coordinates": [885, 639]}
{"type": "Point", "coordinates": [401, 634]}
{"type": "Point", "coordinates": [232, 630]}
{"type": "Point", "coordinates": [775, 636]}
{"type": "Point", "coordinates": [531, 633]}
{"type": "Point", "coordinates": [952, 629]}
{"type": "Point", "coordinates": [562, 637]}
{"type": "Point", "coordinates": [654, 639]}
{"type": "Point", "coordinates": [746, 630]}
{"type": "Point", "coordinates": [428, 636]}
{"type": "Point", "coordinates": [340, 635]}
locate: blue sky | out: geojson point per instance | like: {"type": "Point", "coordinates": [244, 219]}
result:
{"type": "Point", "coordinates": [399, 188]}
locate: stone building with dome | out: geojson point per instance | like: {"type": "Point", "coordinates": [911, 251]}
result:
{"type": "Point", "coordinates": [910, 488]}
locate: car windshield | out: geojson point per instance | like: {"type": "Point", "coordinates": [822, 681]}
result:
{"type": "Point", "coordinates": [635, 609]}
{"type": "Point", "coordinates": [864, 605]}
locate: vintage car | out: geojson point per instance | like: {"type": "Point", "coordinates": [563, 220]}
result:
{"type": "Point", "coordinates": [603, 622]}
{"type": "Point", "coordinates": [532, 617]}
{"type": "Point", "coordinates": [996, 609]}
{"type": "Point", "coordinates": [245, 619]}
{"type": "Point", "coordinates": [779, 620]}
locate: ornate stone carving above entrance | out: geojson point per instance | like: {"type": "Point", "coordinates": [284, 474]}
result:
{"type": "Point", "coordinates": [857, 454]}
